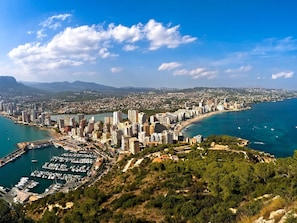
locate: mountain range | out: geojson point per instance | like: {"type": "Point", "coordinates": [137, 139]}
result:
{"type": "Point", "coordinates": [9, 85]}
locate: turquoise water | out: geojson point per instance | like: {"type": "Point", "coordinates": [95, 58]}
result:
{"type": "Point", "coordinates": [11, 134]}
{"type": "Point", "coordinates": [270, 127]}
{"type": "Point", "coordinates": [11, 173]}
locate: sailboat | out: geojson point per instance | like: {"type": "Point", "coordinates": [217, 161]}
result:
{"type": "Point", "coordinates": [33, 157]}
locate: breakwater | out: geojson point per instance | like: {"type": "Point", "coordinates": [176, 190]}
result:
{"type": "Point", "coordinates": [23, 147]}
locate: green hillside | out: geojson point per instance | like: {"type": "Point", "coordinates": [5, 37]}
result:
{"type": "Point", "coordinates": [183, 184]}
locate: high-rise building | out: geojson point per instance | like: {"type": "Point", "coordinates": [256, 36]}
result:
{"type": "Point", "coordinates": [117, 117]}
{"type": "Point", "coordinates": [146, 128]}
{"type": "Point", "coordinates": [25, 117]}
{"type": "Point", "coordinates": [83, 123]}
{"type": "Point", "coordinates": [141, 136]}
{"type": "Point", "coordinates": [61, 123]}
{"type": "Point", "coordinates": [168, 137]}
{"type": "Point", "coordinates": [134, 145]}
{"type": "Point", "coordinates": [141, 118]}
{"type": "Point", "coordinates": [33, 115]}
{"type": "Point", "coordinates": [125, 142]}
{"type": "Point", "coordinates": [80, 116]}
{"type": "Point", "coordinates": [116, 136]}
{"type": "Point", "coordinates": [133, 115]}
{"type": "Point", "coordinates": [1, 105]}
{"type": "Point", "coordinates": [108, 120]}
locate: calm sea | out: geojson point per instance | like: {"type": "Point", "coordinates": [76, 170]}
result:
{"type": "Point", "coordinates": [270, 127]}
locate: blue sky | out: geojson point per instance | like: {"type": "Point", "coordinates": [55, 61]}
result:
{"type": "Point", "coordinates": [180, 44]}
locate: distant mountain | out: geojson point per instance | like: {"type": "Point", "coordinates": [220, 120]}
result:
{"type": "Point", "coordinates": [58, 87]}
{"type": "Point", "coordinates": [9, 87]}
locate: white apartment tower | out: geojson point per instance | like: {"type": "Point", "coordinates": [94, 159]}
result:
{"type": "Point", "coordinates": [133, 115]}
{"type": "Point", "coordinates": [141, 118]}
{"type": "Point", "coordinates": [117, 117]}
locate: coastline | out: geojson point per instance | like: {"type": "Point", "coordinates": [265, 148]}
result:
{"type": "Point", "coordinates": [52, 133]}
{"type": "Point", "coordinates": [182, 125]}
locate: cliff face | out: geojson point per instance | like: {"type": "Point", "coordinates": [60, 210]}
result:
{"type": "Point", "coordinates": [9, 86]}
{"type": "Point", "coordinates": [7, 80]}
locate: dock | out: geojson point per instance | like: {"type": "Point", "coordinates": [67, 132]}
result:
{"type": "Point", "coordinates": [23, 148]}
{"type": "Point", "coordinates": [11, 157]}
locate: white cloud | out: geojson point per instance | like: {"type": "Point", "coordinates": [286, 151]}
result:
{"type": "Point", "coordinates": [76, 46]}
{"type": "Point", "coordinates": [169, 66]}
{"type": "Point", "coordinates": [116, 69]}
{"type": "Point", "coordinates": [239, 70]}
{"type": "Point", "coordinates": [105, 54]}
{"type": "Point", "coordinates": [276, 45]}
{"type": "Point", "coordinates": [282, 75]}
{"type": "Point", "coordinates": [54, 22]}
{"type": "Point", "coordinates": [40, 34]}
{"type": "Point", "coordinates": [122, 33]}
{"type": "Point", "coordinates": [197, 73]}
{"type": "Point", "coordinates": [160, 36]}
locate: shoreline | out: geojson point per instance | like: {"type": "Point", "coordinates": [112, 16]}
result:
{"type": "Point", "coordinates": [184, 124]}
{"type": "Point", "coordinates": [51, 132]}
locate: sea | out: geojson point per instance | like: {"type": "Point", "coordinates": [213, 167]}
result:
{"type": "Point", "coordinates": [11, 134]}
{"type": "Point", "coordinates": [270, 126]}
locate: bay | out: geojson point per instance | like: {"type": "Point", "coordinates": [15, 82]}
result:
{"type": "Point", "coordinates": [11, 134]}
{"type": "Point", "coordinates": [270, 127]}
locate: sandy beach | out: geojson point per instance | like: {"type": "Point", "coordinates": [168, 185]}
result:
{"type": "Point", "coordinates": [200, 117]}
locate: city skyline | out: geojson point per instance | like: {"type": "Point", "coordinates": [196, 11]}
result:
{"type": "Point", "coordinates": [151, 44]}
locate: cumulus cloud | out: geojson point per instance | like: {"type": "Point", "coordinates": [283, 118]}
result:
{"type": "Point", "coordinates": [282, 75]}
{"type": "Point", "coordinates": [160, 36]}
{"type": "Point", "coordinates": [239, 70]}
{"type": "Point", "coordinates": [169, 66]}
{"type": "Point", "coordinates": [128, 34]}
{"type": "Point", "coordinates": [116, 69]}
{"type": "Point", "coordinates": [75, 46]}
{"type": "Point", "coordinates": [197, 73]}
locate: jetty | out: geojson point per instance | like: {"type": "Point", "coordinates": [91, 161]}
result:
{"type": "Point", "coordinates": [23, 147]}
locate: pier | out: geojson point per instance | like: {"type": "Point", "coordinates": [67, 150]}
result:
{"type": "Point", "coordinates": [12, 157]}
{"type": "Point", "coordinates": [23, 148]}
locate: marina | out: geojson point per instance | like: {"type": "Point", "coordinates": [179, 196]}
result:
{"type": "Point", "coordinates": [23, 147]}
{"type": "Point", "coordinates": [59, 170]}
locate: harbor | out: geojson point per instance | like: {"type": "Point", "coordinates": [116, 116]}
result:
{"type": "Point", "coordinates": [54, 168]}
{"type": "Point", "coordinates": [23, 147]}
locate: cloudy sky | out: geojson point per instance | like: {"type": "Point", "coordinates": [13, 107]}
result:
{"type": "Point", "coordinates": [151, 43]}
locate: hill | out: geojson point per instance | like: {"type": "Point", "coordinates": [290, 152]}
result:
{"type": "Point", "coordinates": [170, 184]}
{"type": "Point", "coordinates": [79, 86]}
{"type": "Point", "coordinates": [10, 87]}
{"type": "Point", "coordinates": [68, 86]}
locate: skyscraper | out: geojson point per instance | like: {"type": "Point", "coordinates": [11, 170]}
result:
{"type": "Point", "coordinates": [133, 115]}
{"type": "Point", "coordinates": [117, 117]}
